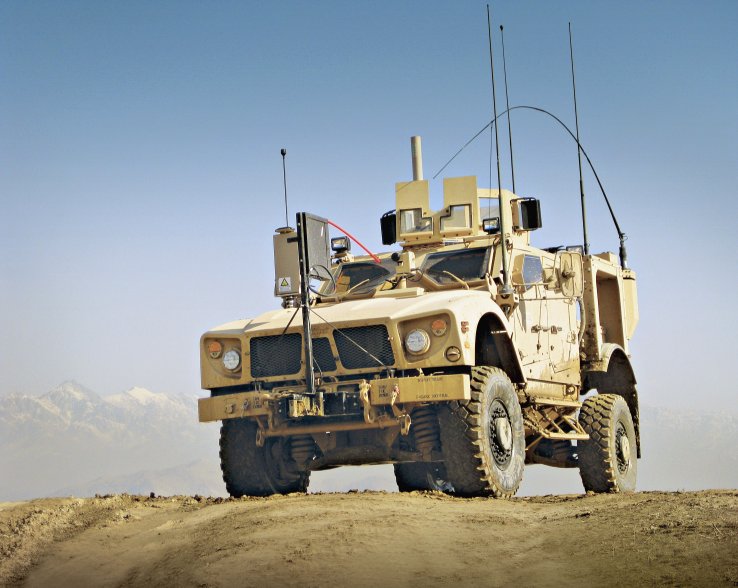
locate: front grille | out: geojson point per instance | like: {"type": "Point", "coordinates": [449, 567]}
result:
{"type": "Point", "coordinates": [278, 355]}
{"type": "Point", "coordinates": [364, 347]}
{"type": "Point", "coordinates": [358, 347]}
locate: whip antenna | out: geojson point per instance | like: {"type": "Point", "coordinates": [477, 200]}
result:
{"type": "Point", "coordinates": [579, 147]}
{"type": "Point", "coordinates": [284, 178]}
{"type": "Point", "coordinates": [506, 288]}
{"type": "Point", "coordinates": [507, 103]}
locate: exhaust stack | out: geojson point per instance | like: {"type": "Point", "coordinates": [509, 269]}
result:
{"type": "Point", "coordinates": [417, 155]}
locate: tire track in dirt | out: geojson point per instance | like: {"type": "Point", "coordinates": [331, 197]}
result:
{"type": "Point", "coordinates": [27, 529]}
{"type": "Point", "coordinates": [375, 538]}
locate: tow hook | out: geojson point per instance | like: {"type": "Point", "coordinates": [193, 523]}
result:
{"type": "Point", "coordinates": [370, 413]}
{"type": "Point", "coordinates": [405, 423]}
{"type": "Point", "coordinates": [402, 416]}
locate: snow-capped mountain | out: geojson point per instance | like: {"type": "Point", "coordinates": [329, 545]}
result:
{"type": "Point", "coordinates": [138, 397]}
{"type": "Point", "coordinates": [72, 435]}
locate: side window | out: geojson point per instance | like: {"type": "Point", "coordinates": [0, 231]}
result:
{"type": "Point", "coordinates": [532, 270]}
{"type": "Point", "coordinates": [459, 217]}
{"type": "Point", "coordinates": [528, 271]}
{"type": "Point", "coordinates": [413, 221]}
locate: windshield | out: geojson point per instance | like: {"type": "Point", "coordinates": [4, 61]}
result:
{"type": "Point", "coordinates": [363, 277]}
{"type": "Point", "coordinates": [466, 264]}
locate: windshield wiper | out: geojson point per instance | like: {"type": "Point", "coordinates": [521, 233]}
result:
{"type": "Point", "coordinates": [356, 286]}
{"type": "Point", "coordinates": [457, 278]}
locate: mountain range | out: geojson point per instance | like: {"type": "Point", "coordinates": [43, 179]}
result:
{"type": "Point", "coordinates": [72, 441]}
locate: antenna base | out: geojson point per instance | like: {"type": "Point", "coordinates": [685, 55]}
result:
{"type": "Point", "coordinates": [291, 302]}
{"type": "Point", "coordinates": [623, 253]}
{"type": "Point", "coordinates": [507, 300]}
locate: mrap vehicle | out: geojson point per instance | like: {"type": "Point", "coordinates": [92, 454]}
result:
{"type": "Point", "coordinates": [459, 358]}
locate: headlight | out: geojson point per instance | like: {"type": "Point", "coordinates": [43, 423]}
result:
{"type": "Point", "coordinates": [417, 341]}
{"type": "Point", "coordinates": [231, 360]}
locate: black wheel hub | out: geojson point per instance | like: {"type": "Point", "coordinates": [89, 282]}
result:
{"type": "Point", "coordinates": [500, 432]}
{"type": "Point", "coordinates": [622, 448]}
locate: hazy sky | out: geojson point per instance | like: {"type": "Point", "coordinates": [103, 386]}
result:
{"type": "Point", "coordinates": [140, 175]}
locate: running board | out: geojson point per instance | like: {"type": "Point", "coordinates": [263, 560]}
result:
{"type": "Point", "coordinates": [553, 419]}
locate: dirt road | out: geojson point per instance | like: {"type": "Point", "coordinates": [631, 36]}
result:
{"type": "Point", "coordinates": [373, 539]}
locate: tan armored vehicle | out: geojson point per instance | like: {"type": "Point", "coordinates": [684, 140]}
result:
{"type": "Point", "coordinates": [460, 358]}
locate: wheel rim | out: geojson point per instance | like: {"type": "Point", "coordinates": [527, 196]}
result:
{"type": "Point", "coordinates": [622, 448]}
{"type": "Point", "coordinates": [501, 434]}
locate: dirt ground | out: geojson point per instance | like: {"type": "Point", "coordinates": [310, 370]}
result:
{"type": "Point", "coordinates": [373, 539]}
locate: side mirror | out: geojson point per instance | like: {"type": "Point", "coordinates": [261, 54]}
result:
{"type": "Point", "coordinates": [530, 214]}
{"type": "Point", "coordinates": [571, 278]}
{"type": "Point", "coordinates": [388, 223]}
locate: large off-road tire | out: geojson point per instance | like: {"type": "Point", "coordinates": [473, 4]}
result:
{"type": "Point", "coordinates": [483, 440]}
{"type": "Point", "coordinates": [421, 475]}
{"type": "Point", "coordinates": [607, 461]}
{"type": "Point", "coordinates": [249, 470]}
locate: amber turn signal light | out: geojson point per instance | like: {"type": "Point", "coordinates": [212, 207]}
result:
{"type": "Point", "coordinates": [215, 349]}
{"type": "Point", "coordinates": [438, 327]}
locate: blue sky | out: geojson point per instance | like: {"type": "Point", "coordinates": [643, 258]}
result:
{"type": "Point", "coordinates": [140, 175]}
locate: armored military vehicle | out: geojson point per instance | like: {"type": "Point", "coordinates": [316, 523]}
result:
{"type": "Point", "coordinates": [460, 357]}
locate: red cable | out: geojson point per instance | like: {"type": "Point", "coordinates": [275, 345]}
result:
{"type": "Point", "coordinates": [355, 240]}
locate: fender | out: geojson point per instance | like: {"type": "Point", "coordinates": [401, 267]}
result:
{"type": "Point", "coordinates": [491, 332]}
{"type": "Point", "coordinates": [494, 346]}
{"type": "Point", "coordinates": [609, 351]}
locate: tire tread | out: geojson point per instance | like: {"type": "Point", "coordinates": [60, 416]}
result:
{"type": "Point", "coordinates": [244, 465]}
{"type": "Point", "coordinates": [596, 462]}
{"type": "Point", "coordinates": [464, 440]}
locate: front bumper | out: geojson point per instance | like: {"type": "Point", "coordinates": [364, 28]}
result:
{"type": "Point", "coordinates": [383, 392]}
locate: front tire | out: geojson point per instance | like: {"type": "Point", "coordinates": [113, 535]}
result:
{"type": "Point", "coordinates": [607, 461]}
{"type": "Point", "coordinates": [483, 438]}
{"type": "Point", "coordinates": [249, 470]}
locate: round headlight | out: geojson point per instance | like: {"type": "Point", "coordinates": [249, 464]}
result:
{"type": "Point", "coordinates": [231, 359]}
{"type": "Point", "coordinates": [417, 341]}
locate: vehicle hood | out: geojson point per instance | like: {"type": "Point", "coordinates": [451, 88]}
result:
{"type": "Point", "coordinates": [365, 311]}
